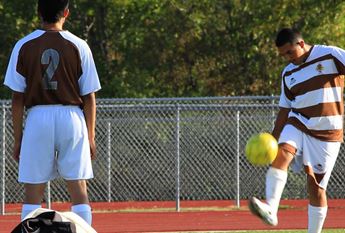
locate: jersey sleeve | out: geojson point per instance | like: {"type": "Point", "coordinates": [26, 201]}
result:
{"type": "Point", "coordinates": [339, 54]}
{"type": "Point", "coordinates": [284, 102]}
{"type": "Point", "coordinates": [14, 80]}
{"type": "Point", "coordinates": [89, 81]}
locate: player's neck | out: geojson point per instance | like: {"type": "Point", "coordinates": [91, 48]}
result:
{"type": "Point", "coordinates": [307, 48]}
{"type": "Point", "coordinates": [305, 55]}
{"type": "Point", "coordinates": [58, 26]}
{"type": "Point", "coordinates": [306, 52]}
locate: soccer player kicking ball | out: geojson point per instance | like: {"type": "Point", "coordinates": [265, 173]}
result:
{"type": "Point", "coordinates": [53, 75]}
{"type": "Point", "coordinates": [309, 125]}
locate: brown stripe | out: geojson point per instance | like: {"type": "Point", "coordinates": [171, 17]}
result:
{"type": "Point", "coordinates": [340, 66]}
{"type": "Point", "coordinates": [323, 135]}
{"type": "Point", "coordinates": [288, 93]}
{"type": "Point", "coordinates": [318, 82]}
{"type": "Point", "coordinates": [322, 109]}
{"type": "Point", "coordinates": [285, 146]}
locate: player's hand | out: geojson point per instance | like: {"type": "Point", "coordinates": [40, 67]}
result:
{"type": "Point", "coordinates": [92, 148]}
{"type": "Point", "coordinates": [16, 151]}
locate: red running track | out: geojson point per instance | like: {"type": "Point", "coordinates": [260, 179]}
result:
{"type": "Point", "coordinates": [159, 217]}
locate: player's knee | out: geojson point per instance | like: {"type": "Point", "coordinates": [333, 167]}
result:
{"type": "Point", "coordinates": [314, 190]}
{"type": "Point", "coordinates": [283, 159]}
{"type": "Point", "coordinates": [78, 191]}
{"type": "Point", "coordinates": [33, 193]}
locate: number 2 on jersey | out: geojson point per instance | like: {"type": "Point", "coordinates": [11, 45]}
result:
{"type": "Point", "coordinates": [51, 58]}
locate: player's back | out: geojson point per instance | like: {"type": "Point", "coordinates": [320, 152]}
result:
{"type": "Point", "coordinates": [51, 64]}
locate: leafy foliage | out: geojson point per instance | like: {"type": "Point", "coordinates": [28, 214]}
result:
{"type": "Point", "coordinates": [161, 48]}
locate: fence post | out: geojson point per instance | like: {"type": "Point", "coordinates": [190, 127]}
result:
{"type": "Point", "coordinates": [49, 202]}
{"type": "Point", "coordinates": [3, 147]}
{"type": "Point", "coordinates": [238, 159]}
{"type": "Point", "coordinates": [178, 159]}
{"type": "Point", "coordinates": [109, 159]}
{"type": "Point", "coordinates": [272, 111]}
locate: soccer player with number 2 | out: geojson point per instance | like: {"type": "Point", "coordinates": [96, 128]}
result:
{"type": "Point", "coordinates": [53, 76]}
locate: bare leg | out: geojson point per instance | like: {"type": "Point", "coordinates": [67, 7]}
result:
{"type": "Point", "coordinates": [283, 159]}
{"type": "Point", "coordinates": [32, 198]}
{"type": "Point", "coordinates": [317, 195]}
{"type": "Point", "coordinates": [79, 197]}
{"type": "Point", "coordinates": [317, 209]}
{"type": "Point", "coordinates": [34, 193]}
{"type": "Point", "coordinates": [78, 191]}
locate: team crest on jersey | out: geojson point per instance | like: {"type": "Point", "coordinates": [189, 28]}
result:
{"type": "Point", "coordinates": [320, 68]}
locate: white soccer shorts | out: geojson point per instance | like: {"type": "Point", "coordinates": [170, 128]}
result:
{"type": "Point", "coordinates": [320, 155]}
{"type": "Point", "coordinates": [55, 142]}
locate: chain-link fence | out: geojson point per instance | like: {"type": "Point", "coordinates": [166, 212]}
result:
{"type": "Point", "coordinates": [171, 149]}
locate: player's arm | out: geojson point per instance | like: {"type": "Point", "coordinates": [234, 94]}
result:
{"type": "Point", "coordinates": [89, 107]}
{"type": "Point", "coordinates": [280, 122]}
{"type": "Point", "coordinates": [17, 119]}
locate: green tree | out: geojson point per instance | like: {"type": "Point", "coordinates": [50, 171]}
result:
{"type": "Point", "coordinates": [172, 48]}
{"type": "Point", "coordinates": [17, 19]}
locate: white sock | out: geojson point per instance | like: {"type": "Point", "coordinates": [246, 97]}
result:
{"type": "Point", "coordinates": [275, 183]}
{"type": "Point", "coordinates": [316, 218]}
{"type": "Point", "coordinates": [84, 211]}
{"type": "Point", "coordinates": [28, 208]}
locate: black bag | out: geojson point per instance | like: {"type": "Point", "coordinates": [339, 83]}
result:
{"type": "Point", "coordinates": [43, 223]}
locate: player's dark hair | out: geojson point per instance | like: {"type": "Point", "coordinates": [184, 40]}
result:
{"type": "Point", "coordinates": [287, 35]}
{"type": "Point", "coordinates": [51, 11]}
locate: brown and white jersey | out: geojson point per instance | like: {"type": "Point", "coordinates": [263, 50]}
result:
{"type": "Point", "coordinates": [52, 67]}
{"type": "Point", "coordinates": [314, 93]}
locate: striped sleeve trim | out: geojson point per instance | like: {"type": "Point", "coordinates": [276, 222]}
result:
{"type": "Point", "coordinates": [287, 92]}
{"type": "Point", "coordinates": [340, 66]}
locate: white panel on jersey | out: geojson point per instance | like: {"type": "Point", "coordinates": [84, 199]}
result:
{"type": "Point", "coordinates": [326, 95]}
{"type": "Point", "coordinates": [284, 102]}
{"type": "Point", "coordinates": [325, 123]}
{"type": "Point", "coordinates": [13, 79]}
{"type": "Point", "coordinates": [320, 123]}
{"type": "Point", "coordinates": [324, 67]}
{"type": "Point", "coordinates": [89, 80]}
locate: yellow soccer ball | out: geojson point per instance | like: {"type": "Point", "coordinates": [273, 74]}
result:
{"type": "Point", "coordinates": [261, 149]}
